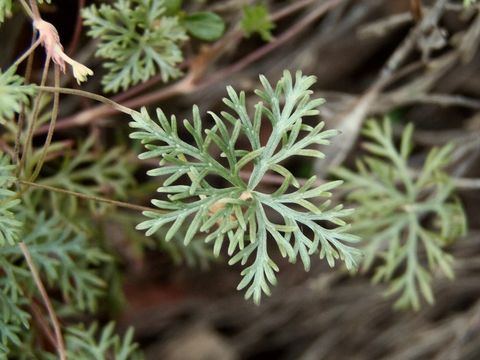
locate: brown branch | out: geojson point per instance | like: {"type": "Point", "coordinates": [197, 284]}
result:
{"type": "Point", "coordinates": [416, 9]}
{"type": "Point", "coordinates": [350, 122]}
{"type": "Point", "coordinates": [280, 40]}
{"type": "Point", "coordinates": [41, 321]}
{"type": "Point", "coordinates": [137, 89]}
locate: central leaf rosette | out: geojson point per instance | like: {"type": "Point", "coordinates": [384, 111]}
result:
{"type": "Point", "coordinates": [240, 213]}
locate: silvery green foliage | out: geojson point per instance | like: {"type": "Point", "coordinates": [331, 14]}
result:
{"type": "Point", "coordinates": [66, 261]}
{"type": "Point", "coordinates": [137, 40]}
{"type": "Point", "coordinates": [401, 216]}
{"type": "Point", "coordinates": [240, 214]}
{"type": "Point", "coordinates": [64, 257]}
{"type": "Point", "coordinates": [14, 318]}
{"type": "Point", "coordinates": [92, 342]}
{"type": "Point", "coordinates": [83, 171]}
{"type": "Point", "coordinates": [13, 93]}
{"type": "Point", "coordinates": [60, 249]}
{"type": "Point", "coordinates": [100, 343]}
{"type": "Point", "coordinates": [10, 225]}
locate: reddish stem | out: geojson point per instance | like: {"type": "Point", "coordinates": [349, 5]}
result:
{"type": "Point", "coordinates": [78, 29]}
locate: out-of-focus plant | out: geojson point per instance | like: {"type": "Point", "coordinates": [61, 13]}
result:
{"type": "Point", "coordinates": [139, 38]}
{"type": "Point", "coordinates": [256, 19]}
{"type": "Point", "coordinates": [13, 94]}
{"type": "Point", "coordinates": [406, 219]}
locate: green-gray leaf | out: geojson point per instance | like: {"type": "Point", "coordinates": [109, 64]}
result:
{"type": "Point", "coordinates": [13, 94]}
{"type": "Point", "coordinates": [204, 25]}
{"type": "Point", "coordinates": [172, 7]}
{"type": "Point", "coordinates": [256, 19]}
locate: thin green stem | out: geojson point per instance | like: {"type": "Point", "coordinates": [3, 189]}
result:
{"type": "Point", "coordinates": [36, 110]}
{"type": "Point", "coordinates": [412, 260]}
{"type": "Point", "coordinates": [53, 120]}
{"type": "Point", "coordinates": [21, 117]}
{"type": "Point", "coordinates": [190, 175]}
{"type": "Point", "coordinates": [27, 9]}
{"type": "Point", "coordinates": [91, 197]}
{"type": "Point", "coordinates": [276, 136]}
{"type": "Point", "coordinates": [402, 169]}
{"type": "Point", "coordinates": [262, 166]}
{"type": "Point", "coordinates": [88, 95]}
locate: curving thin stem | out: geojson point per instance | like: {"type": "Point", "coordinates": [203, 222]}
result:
{"type": "Point", "coordinates": [40, 319]}
{"type": "Point", "coordinates": [91, 197]}
{"type": "Point", "coordinates": [51, 312]}
{"type": "Point", "coordinates": [51, 129]}
{"type": "Point", "coordinates": [36, 110]}
{"type": "Point", "coordinates": [21, 117]}
{"type": "Point", "coordinates": [89, 95]}
{"type": "Point", "coordinates": [26, 8]}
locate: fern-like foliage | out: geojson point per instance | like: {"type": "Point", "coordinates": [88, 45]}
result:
{"type": "Point", "coordinates": [14, 319]}
{"type": "Point", "coordinates": [13, 93]}
{"type": "Point", "coordinates": [137, 40]}
{"type": "Point", "coordinates": [94, 343]}
{"type": "Point", "coordinates": [10, 225]}
{"type": "Point", "coordinates": [61, 251]}
{"type": "Point", "coordinates": [401, 215]}
{"type": "Point", "coordinates": [241, 213]}
{"type": "Point", "coordinates": [65, 258]}
{"type": "Point", "coordinates": [89, 172]}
